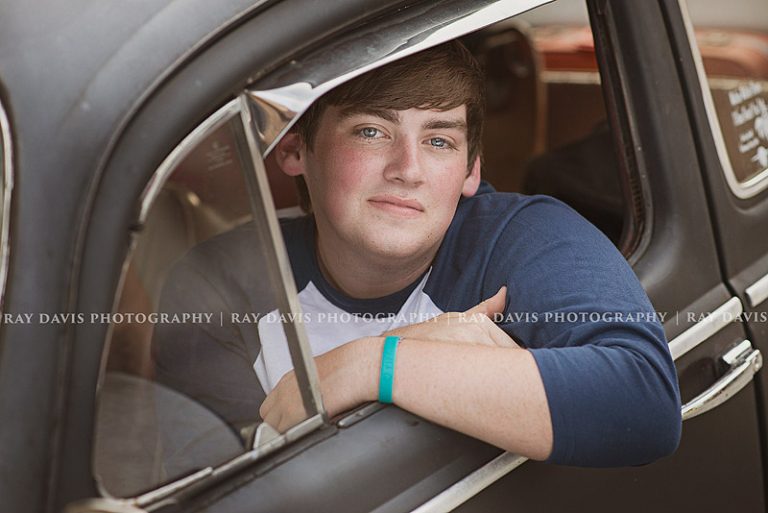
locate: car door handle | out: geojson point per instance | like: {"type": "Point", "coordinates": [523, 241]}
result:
{"type": "Point", "coordinates": [744, 362]}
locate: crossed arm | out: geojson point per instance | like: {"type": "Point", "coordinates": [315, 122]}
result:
{"type": "Point", "coordinates": [611, 390]}
{"type": "Point", "coordinates": [459, 370]}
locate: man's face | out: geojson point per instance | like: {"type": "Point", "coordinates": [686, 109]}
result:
{"type": "Point", "coordinates": [387, 183]}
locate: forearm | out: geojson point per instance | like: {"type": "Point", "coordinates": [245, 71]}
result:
{"type": "Point", "coordinates": [491, 393]}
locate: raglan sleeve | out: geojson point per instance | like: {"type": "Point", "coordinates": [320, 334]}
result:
{"type": "Point", "coordinates": [577, 306]}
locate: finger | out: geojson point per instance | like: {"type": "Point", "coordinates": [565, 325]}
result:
{"type": "Point", "coordinates": [493, 305]}
{"type": "Point", "coordinates": [266, 406]}
{"type": "Point", "coordinates": [273, 396]}
{"type": "Point", "coordinates": [286, 423]}
{"type": "Point", "coordinates": [271, 417]}
{"type": "Point", "coordinates": [280, 424]}
{"type": "Point", "coordinates": [271, 400]}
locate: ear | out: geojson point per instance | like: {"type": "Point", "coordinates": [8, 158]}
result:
{"type": "Point", "coordinates": [290, 154]}
{"type": "Point", "coordinates": [472, 181]}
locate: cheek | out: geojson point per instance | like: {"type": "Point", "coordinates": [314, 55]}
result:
{"type": "Point", "coordinates": [447, 189]}
{"type": "Point", "coordinates": [341, 179]}
{"type": "Point", "coordinates": [350, 171]}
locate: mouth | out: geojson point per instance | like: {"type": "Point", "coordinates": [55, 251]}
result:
{"type": "Point", "coordinates": [396, 205]}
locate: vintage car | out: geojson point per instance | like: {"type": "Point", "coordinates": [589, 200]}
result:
{"type": "Point", "coordinates": [132, 131]}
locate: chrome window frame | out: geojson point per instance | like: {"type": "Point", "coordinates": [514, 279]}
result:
{"type": "Point", "coordinates": [6, 191]}
{"type": "Point", "coordinates": [755, 184]}
{"type": "Point", "coordinates": [278, 103]}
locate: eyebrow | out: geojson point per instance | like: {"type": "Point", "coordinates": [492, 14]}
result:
{"type": "Point", "coordinates": [446, 124]}
{"type": "Point", "coordinates": [393, 117]}
{"type": "Point", "coordinates": [387, 115]}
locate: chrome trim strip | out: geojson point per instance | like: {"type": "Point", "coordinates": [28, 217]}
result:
{"type": "Point", "coordinates": [298, 84]}
{"type": "Point", "coordinates": [102, 505]}
{"type": "Point", "coordinates": [288, 296]}
{"type": "Point", "coordinates": [474, 483]}
{"type": "Point", "coordinates": [703, 330]}
{"type": "Point", "coordinates": [757, 183]}
{"type": "Point", "coordinates": [299, 430]}
{"type": "Point", "coordinates": [360, 414]}
{"type": "Point", "coordinates": [169, 489]}
{"type": "Point", "coordinates": [291, 435]}
{"type": "Point", "coordinates": [757, 292]}
{"type": "Point", "coordinates": [163, 172]}
{"type": "Point", "coordinates": [7, 190]}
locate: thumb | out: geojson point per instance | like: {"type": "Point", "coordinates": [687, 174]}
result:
{"type": "Point", "coordinates": [492, 305]}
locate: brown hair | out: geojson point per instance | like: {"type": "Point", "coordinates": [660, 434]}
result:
{"type": "Point", "coordinates": [443, 77]}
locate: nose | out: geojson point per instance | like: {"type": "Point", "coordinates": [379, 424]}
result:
{"type": "Point", "coordinates": [404, 164]}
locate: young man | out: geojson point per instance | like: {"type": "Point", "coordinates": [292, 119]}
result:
{"type": "Point", "coordinates": [402, 228]}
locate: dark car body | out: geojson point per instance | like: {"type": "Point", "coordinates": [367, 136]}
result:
{"type": "Point", "coordinates": [95, 98]}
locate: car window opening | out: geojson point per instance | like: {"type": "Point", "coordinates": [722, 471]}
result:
{"type": "Point", "coordinates": [545, 133]}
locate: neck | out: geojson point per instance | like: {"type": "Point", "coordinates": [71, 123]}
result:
{"type": "Point", "coordinates": [366, 278]}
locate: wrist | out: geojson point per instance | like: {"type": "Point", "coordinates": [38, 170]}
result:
{"type": "Point", "coordinates": [368, 357]}
{"type": "Point", "coordinates": [387, 371]}
{"type": "Point", "coordinates": [349, 375]}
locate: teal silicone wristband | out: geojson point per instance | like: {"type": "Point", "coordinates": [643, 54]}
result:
{"type": "Point", "coordinates": [387, 376]}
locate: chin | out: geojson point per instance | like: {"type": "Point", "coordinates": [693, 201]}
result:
{"type": "Point", "coordinates": [400, 247]}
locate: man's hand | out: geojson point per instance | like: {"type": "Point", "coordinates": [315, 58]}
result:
{"type": "Point", "coordinates": [348, 376]}
{"type": "Point", "coordinates": [473, 326]}
{"type": "Point", "coordinates": [283, 407]}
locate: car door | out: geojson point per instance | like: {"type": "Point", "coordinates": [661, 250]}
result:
{"type": "Point", "coordinates": [677, 260]}
{"type": "Point", "coordinates": [385, 459]}
{"type": "Point", "coordinates": [726, 83]}
{"type": "Point", "coordinates": [673, 252]}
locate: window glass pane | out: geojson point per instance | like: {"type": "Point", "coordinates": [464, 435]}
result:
{"type": "Point", "coordinates": [733, 43]}
{"type": "Point", "coordinates": [181, 389]}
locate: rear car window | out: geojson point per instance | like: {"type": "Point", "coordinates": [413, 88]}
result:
{"type": "Point", "coordinates": [733, 44]}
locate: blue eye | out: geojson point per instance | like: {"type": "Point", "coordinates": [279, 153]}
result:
{"type": "Point", "coordinates": [438, 142]}
{"type": "Point", "coordinates": [369, 132]}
